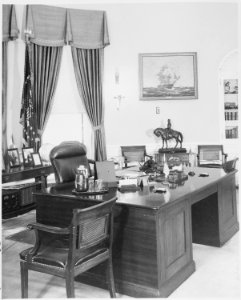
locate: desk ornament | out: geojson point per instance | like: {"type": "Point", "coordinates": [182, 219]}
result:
{"type": "Point", "coordinates": [167, 134]}
{"type": "Point", "coordinates": [154, 169]}
{"type": "Point", "coordinates": [176, 178]}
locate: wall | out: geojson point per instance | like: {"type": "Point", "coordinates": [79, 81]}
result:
{"type": "Point", "coordinates": [210, 29]}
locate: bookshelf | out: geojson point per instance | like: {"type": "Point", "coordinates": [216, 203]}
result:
{"type": "Point", "coordinates": [230, 96]}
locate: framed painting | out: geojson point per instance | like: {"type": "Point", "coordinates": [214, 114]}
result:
{"type": "Point", "coordinates": [168, 76]}
{"type": "Point", "coordinates": [27, 158]}
{"type": "Point", "coordinates": [13, 158]}
{"type": "Point", "coordinates": [37, 162]}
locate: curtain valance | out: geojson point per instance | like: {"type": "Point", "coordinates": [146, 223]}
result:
{"type": "Point", "coordinates": [9, 23]}
{"type": "Point", "coordinates": [87, 29]}
{"type": "Point", "coordinates": [55, 26]}
{"type": "Point", "coordinates": [45, 25]}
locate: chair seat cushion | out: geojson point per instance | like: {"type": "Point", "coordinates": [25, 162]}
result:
{"type": "Point", "coordinates": [57, 257]}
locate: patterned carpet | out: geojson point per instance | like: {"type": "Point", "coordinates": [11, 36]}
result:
{"type": "Point", "coordinates": [26, 236]}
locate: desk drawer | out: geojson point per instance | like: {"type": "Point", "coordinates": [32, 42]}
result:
{"type": "Point", "coordinates": [17, 198]}
{"type": "Point", "coordinates": [10, 202]}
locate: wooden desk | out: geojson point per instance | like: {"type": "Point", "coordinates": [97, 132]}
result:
{"type": "Point", "coordinates": [153, 232]}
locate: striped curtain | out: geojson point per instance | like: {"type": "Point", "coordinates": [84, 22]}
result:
{"type": "Point", "coordinates": [49, 29]}
{"type": "Point", "coordinates": [9, 33]}
{"type": "Point", "coordinates": [88, 72]}
{"type": "Point", "coordinates": [4, 99]}
{"type": "Point", "coordinates": [44, 63]}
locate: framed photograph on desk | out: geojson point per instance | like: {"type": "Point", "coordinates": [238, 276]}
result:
{"type": "Point", "coordinates": [37, 162]}
{"type": "Point", "coordinates": [13, 158]}
{"type": "Point", "coordinates": [27, 158]}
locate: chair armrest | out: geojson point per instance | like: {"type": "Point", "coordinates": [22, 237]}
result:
{"type": "Point", "coordinates": [46, 228]}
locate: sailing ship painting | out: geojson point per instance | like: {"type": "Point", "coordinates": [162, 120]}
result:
{"type": "Point", "coordinates": [168, 76]}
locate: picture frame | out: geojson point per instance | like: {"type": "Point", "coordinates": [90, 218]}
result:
{"type": "Point", "coordinates": [13, 158]}
{"type": "Point", "coordinates": [27, 158]}
{"type": "Point", "coordinates": [168, 76]}
{"type": "Point", "coordinates": [37, 161]}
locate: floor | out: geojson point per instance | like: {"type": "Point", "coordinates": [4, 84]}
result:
{"type": "Point", "coordinates": [216, 276]}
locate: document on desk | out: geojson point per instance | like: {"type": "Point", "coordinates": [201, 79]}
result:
{"type": "Point", "coordinates": [126, 182]}
{"type": "Point", "coordinates": [129, 173]}
{"type": "Point", "coordinates": [106, 171]}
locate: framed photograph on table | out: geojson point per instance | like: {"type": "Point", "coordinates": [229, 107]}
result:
{"type": "Point", "coordinates": [37, 162]}
{"type": "Point", "coordinates": [13, 158]}
{"type": "Point", "coordinates": [168, 76]}
{"type": "Point", "coordinates": [27, 157]}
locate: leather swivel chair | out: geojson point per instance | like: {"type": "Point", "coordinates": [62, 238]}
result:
{"type": "Point", "coordinates": [69, 251]}
{"type": "Point", "coordinates": [66, 157]}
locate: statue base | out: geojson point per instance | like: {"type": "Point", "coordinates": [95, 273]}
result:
{"type": "Point", "coordinates": [172, 150]}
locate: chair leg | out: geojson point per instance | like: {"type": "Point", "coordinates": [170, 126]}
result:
{"type": "Point", "coordinates": [110, 278]}
{"type": "Point", "coordinates": [24, 280]}
{"type": "Point", "coordinates": [70, 286]}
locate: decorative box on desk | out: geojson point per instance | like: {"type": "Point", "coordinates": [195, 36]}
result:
{"type": "Point", "coordinates": [172, 156]}
{"type": "Point", "coordinates": [18, 199]}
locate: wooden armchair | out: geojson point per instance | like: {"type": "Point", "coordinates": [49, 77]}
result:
{"type": "Point", "coordinates": [230, 165]}
{"type": "Point", "coordinates": [211, 156]}
{"type": "Point", "coordinates": [67, 252]}
{"type": "Point", "coordinates": [134, 154]}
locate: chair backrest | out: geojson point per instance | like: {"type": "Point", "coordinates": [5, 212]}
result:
{"type": "Point", "coordinates": [230, 165]}
{"type": "Point", "coordinates": [133, 153]}
{"type": "Point", "coordinates": [93, 225]}
{"type": "Point", "coordinates": [65, 158]}
{"type": "Point", "coordinates": [211, 154]}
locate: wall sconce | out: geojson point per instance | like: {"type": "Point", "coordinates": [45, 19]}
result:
{"type": "Point", "coordinates": [119, 98]}
{"type": "Point", "coordinates": [27, 33]}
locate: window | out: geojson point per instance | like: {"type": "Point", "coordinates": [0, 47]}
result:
{"type": "Point", "coordinates": [68, 120]}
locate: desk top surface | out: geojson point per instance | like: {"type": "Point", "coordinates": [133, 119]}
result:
{"type": "Point", "coordinates": [146, 197]}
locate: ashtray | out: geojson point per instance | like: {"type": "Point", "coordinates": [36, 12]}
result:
{"type": "Point", "coordinates": [203, 175]}
{"type": "Point", "coordinates": [159, 190]}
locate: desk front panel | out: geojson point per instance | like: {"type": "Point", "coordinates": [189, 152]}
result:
{"type": "Point", "coordinates": [227, 204]}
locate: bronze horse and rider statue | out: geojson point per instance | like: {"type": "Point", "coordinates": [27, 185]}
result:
{"type": "Point", "coordinates": [169, 134]}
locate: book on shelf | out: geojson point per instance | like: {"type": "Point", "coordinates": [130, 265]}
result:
{"type": "Point", "coordinates": [231, 115]}
{"type": "Point", "coordinates": [231, 132]}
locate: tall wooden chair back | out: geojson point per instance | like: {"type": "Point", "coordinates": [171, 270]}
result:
{"type": "Point", "coordinates": [230, 165]}
{"type": "Point", "coordinates": [133, 154]}
{"type": "Point", "coordinates": [211, 156]}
